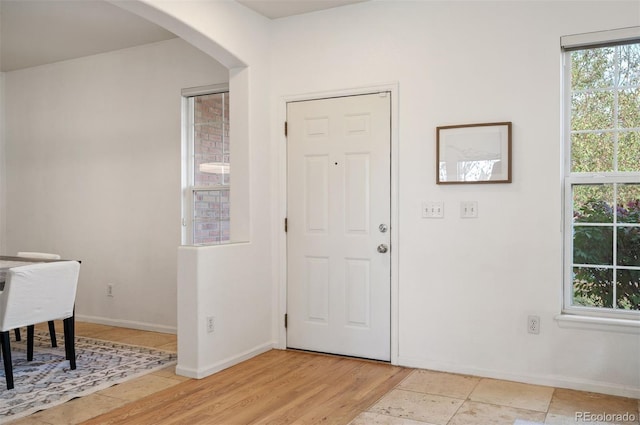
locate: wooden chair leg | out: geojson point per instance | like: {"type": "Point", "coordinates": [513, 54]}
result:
{"type": "Point", "coordinates": [17, 332]}
{"type": "Point", "coordinates": [70, 341]}
{"type": "Point", "coordinates": [52, 333]}
{"type": "Point", "coordinates": [30, 337]}
{"type": "Point", "coordinates": [6, 355]}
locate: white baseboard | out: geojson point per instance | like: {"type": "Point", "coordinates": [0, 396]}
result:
{"type": "Point", "coordinates": [556, 381]}
{"type": "Point", "coordinates": [127, 324]}
{"type": "Point", "coordinates": [223, 364]}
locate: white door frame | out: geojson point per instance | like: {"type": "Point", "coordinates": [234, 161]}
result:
{"type": "Point", "coordinates": [281, 271]}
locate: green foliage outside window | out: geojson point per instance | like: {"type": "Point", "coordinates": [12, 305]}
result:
{"type": "Point", "coordinates": [594, 249]}
{"type": "Point", "coordinates": [605, 139]}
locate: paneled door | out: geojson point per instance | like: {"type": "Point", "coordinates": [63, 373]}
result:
{"type": "Point", "coordinates": [338, 215]}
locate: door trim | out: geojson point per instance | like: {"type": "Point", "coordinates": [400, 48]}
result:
{"type": "Point", "coordinates": [280, 263]}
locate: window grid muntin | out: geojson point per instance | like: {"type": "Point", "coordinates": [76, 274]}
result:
{"type": "Point", "coordinates": [573, 178]}
{"type": "Point", "coordinates": [569, 305]}
{"type": "Point", "coordinates": [189, 220]}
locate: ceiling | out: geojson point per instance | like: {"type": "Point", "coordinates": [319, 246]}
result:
{"type": "Point", "coordinates": [38, 32]}
{"type": "Point", "coordinates": [274, 9]}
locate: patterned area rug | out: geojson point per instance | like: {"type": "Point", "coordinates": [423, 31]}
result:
{"type": "Point", "coordinates": [47, 381]}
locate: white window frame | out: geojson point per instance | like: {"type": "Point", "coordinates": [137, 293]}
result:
{"type": "Point", "coordinates": [591, 316]}
{"type": "Point", "coordinates": [188, 187]}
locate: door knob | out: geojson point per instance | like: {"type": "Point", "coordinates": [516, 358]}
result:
{"type": "Point", "coordinates": [382, 248]}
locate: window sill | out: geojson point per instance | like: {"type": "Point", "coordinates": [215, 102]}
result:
{"type": "Point", "coordinates": [574, 321]}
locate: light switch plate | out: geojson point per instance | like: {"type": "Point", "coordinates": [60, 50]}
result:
{"type": "Point", "coordinates": [469, 209]}
{"type": "Point", "coordinates": [433, 209]}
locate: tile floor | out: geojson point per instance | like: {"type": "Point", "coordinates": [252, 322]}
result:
{"type": "Point", "coordinates": [434, 398]}
{"type": "Point", "coordinates": [423, 398]}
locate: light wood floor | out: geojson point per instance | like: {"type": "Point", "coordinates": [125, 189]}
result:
{"type": "Point", "coordinates": [277, 387]}
{"type": "Point", "coordinates": [289, 387]}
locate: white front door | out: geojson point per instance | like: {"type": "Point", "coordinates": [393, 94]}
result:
{"type": "Point", "coordinates": [338, 238]}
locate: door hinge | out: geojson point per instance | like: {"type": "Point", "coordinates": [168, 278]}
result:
{"type": "Point", "coordinates": [286, 225]}
{"type": "Point", "coordinates": [286, 320]}
{"type": "Point", "coordinates": [285, 128]}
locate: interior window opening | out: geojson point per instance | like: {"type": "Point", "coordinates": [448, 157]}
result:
{"type": "Point", "coordinates": [207, 203]}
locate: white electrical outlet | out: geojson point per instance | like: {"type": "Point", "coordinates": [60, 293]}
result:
{"type": "Point", "coordinates": [533, 324]}
{"type": "Point", "coordinates": [109, 289]}
{"type": "Point", "coordinates": [210, 324]}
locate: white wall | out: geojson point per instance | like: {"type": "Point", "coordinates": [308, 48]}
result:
{"type": "Point", "coordinates": [467, 286]}
{"type": "Point", "coordinates": [2, 167]}
{"type": "Point", "coordinates": [233, 283]}
{"type": "Point", "coordinates": [93, 173]}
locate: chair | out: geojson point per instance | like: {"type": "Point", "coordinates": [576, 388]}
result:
{"type": "Point", "coordinates": [38, 293]}
{"type": "Point", "coordinates": [45, 256]}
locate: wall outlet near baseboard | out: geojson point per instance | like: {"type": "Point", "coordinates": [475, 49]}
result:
{"type": "Point", "coordinates": [210, 324]}
{"type": "Point", "coordinates": [109, 289]}
{"type": "Point", "coordinates": [533, 324]}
